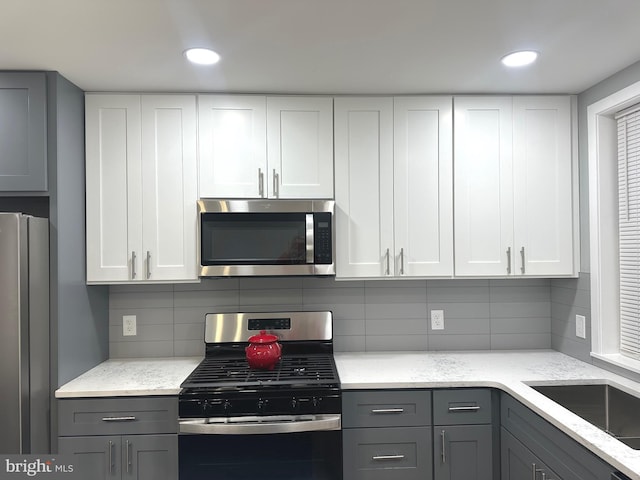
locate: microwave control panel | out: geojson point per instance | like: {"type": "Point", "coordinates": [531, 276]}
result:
{"type": "Point", "coordinates": [323, 238]}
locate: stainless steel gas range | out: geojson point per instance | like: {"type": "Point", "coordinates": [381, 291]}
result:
{"type": "Point", "coordinates": [239, 423]}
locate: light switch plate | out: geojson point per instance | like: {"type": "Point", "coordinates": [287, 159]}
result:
{"type": "Point", "coordinates": [437, 319]}
{"type": "Point", "coordinates": [581, 327]}
{"type": "Point", "coordinates": [129, 325]}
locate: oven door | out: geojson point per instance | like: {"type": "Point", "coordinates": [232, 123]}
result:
{"type": "Point", "coordinates": [268, 448]}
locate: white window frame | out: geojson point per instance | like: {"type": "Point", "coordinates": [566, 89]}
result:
{"type": "Point", "coordinates": [603, 225]}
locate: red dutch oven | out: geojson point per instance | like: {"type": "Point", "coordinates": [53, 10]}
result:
{"type": "Point", "coordinates": [263, 351]}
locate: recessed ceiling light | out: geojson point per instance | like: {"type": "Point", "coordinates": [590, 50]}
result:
{"type": "Point", "coordinates": [520, 59]}
{"type": "Point", "coordinates": [202, 56]}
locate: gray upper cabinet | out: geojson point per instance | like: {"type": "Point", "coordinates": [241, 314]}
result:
{"type": "Point", "coordinates": [23, 132]}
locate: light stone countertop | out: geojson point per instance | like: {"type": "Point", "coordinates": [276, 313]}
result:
{"type": "Point", "coordinates": [509, 371]}
{"type": "Point", "coordinates": [131, 377]}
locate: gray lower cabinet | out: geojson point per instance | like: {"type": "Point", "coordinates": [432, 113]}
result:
{"type": "Point", "coordinates": [463, 434]}
{"type": "Point", "coordinates": [23, 136]}
{"type": "Point", "coordinates": [121, 437]}
{"type": "Point", "coordinates": [140, 457]}
{"type": "Point", "coordinates": [387, 434]}
{"type": "Point", "coordinates": [533, 448]}
{"type": "Point", "coordinates": [518, 462]}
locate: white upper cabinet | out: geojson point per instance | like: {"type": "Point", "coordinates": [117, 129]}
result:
{"type": "Point", "coordinates": [423, 186]}
{"type": "Point", "coordinates": [393, 187]}
{"type": "Point", "coordinates": [364, 187]}
{"type": "Point", "coordinates": [141, 188]}
{"type": "Point", "coordinates": [233, 146]}
{"type": "Point", "coordinates": [300, 147]}
{"type": "Point", "coordinates": [265, 147]}
{"type": "Point", "coordinates": [542, 182]}
{"type": "Point", "coordinates": [513, 186]}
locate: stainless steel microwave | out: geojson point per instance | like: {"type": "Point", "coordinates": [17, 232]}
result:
{"type": "Point", "coordinates": [266, 237]}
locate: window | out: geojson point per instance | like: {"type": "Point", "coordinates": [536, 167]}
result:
{"type": "Point", "coordinates": [629, 229]}
{"type": "Point", "coordinates": [615, 273]}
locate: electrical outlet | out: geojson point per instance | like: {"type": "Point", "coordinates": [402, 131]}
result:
{"type": "Point", "coordinates": [581, 327]}
{"type": "Point", "coordinates": [437, 319]}
{"type": "Point", "coordinates": [129, 325]}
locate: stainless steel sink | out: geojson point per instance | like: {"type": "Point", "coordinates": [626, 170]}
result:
{"type": "Point", "coordinates": [608, 408]}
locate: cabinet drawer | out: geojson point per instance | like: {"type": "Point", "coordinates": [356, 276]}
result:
{"type": "Point", "coordinates": [119, 416]}
{"type": "Point", "coordinates": [383, 453]}
{"type": "Point", "coordinates": [466, 406]}
{"type": "Point", "coordinates": [379, 408]}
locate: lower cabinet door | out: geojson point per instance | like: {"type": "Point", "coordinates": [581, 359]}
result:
{"type": "Point", "coordinates": [96, 458]}
{"type": "Point", "coordinates": [463, 452]}
{"type": "Point", "coordinates": [139, 457]}
{"type": "Point", "coordinates": [150, 457]}
{"type": "Point", "coordinates": [519, 463]}
{"type": "Point", "coordinates": [394, 453]}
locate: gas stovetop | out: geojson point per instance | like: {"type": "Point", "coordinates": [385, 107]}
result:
{"type": "Point", "coordinates": [291, 371]}
{"type": "Point", "coordinates": [304, 381]}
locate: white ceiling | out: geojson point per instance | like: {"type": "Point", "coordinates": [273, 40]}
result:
{"type": "Point", "coordinates": [322, 46]}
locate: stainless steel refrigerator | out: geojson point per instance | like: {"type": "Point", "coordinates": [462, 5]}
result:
{"type": "Point", "coordinates": [24, 334]}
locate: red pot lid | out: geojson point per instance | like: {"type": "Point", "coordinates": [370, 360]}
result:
{"type": "Point", "coordinates": [263, 337]}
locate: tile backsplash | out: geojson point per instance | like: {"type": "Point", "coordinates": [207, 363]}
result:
{"type": "Point", "coordinates": [368, 315]}
{"type": "Point", "coordinates": [571, 297]}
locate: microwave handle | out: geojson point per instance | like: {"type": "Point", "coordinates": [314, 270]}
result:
{"type": "Point", "coordinates": [310, 241]}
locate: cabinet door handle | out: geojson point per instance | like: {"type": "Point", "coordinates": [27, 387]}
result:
{"type": "Point", "coordinates": [110, 457]}
{"type": "Point", "coordinates": [470, 408]}
{"type": "Point", "coordinates": [276, 181]}
{"type": "Point", "coordinates": [133, 265]}
{"type": "Point", "coordinates": [260, 183]}
{"type": "Point", "coordinates": [387, 255]}
{"type": "Point", "coordinates": [509, 260]}
{"type": "Point", "coordinates": [402, 261]}
{"type": "Point", "coordinates": [522, 269]}
{"type": "Point", "coordinates": [128, 459]}
{"type": "Point", "coordinates": [387, 410]}
{"type": "Point", "coordinates": [119, 419]}
{"type": "Point", "coordinates": [148, 264]}
{"type": "Point", "coordinates": [534, 471]}
{"type": "Point", "coordinates": [387, 457]}
{"type": "Point", "coordinates": [444, 455]}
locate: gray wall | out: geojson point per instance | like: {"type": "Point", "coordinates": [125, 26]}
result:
{"type": "Point", "coordinates": [569, 297]}
{"type": "Point", "coordinates": [368, 315]}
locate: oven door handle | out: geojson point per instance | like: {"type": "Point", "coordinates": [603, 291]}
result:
{"type": "Point", "coordinates": [281, 424]}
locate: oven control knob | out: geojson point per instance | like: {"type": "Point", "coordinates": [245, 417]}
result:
{"type": "Point", "coordinates": [316, 402]}
{"type": "Point", "coordinates": [294, 404]}
{"type": "Point", "coordinates": [262, 405]}
{"type": "Point", "coordinates": [204, 404]}
{"type": "Point", "coordinates": [226, 406]}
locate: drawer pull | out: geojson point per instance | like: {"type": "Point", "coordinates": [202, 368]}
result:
{"type": "Point", "coordinates": [387, 410]}
{"type": "Point", "coordinates": [119, 419]}
{"type": "Point", "coordinates": [464, 409]}
{"type": "Point", "coordinates": [387, 457]}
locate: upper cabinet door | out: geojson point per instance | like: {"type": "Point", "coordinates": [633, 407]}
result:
{"type": "Point", "coordinates": [233, 146]}
{"type": "Point", "coordinates": [364, 187]}
{"type": "Point", "coordinates": [23, 136]}
{"type": "Point", "coordinates": [169, 186]}
{"type": "Point", "coordinates": [543, 194]}
{"type": "Point", "coordinates": [114, 185]}
{"type": "Point", "coordinates": [483, 186]}
{"type": "Point", "coordinates": [423, 186]}
{"type": "Point", "coordinates": [300, 147]}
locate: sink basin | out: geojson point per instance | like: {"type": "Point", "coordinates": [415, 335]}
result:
{"type": "Point", "coordinates": [606, 407]}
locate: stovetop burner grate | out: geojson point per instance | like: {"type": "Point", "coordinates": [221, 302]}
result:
{"type": "Point", "coordinates": [291, 370]}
